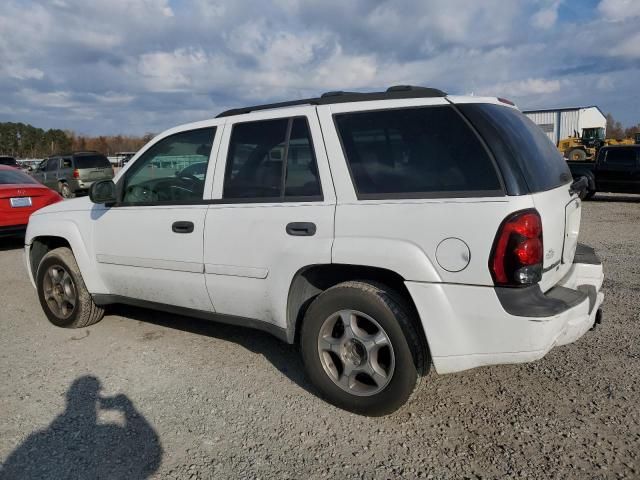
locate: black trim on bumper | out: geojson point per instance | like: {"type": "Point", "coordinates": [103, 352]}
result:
{"type": "Point", "coordinates": [531, 302]}
{"type": "Point", "coordinates": [13, 230]}
{"type": "Point", "coordinates": [280, 333]}
{"type": "Point", "coordinates": [586, 254]}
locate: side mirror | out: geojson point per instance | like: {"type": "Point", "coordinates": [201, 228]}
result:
{"type": "Point", "coordinates": [29, 169]}
{"type": "Point", "coordinates": [103, 191]}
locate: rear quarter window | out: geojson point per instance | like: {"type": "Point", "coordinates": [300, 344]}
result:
{"type": "Point", "coordinates": [415, 152]}
{"type": "Point", "coordinates": [520, 146]}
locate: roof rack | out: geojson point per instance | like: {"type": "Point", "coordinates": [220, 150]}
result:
{"type": "Point", "coordinates": [327, 98]}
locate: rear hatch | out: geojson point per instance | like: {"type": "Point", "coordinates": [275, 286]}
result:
{"type": "Point", "coordinates": [93, 167]}
{"type": "Point", "coordinates": [531, 164]}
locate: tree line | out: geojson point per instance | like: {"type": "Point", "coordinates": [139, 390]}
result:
{"type": "Point", "coordinates": [617, 131]}
{"type": "Point", "coordinates": [22, 140]}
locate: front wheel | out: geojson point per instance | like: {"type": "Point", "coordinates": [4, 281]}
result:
{"type": "Point", "coordinates": [361, 348]}
{"type": "Point", "coordinates": [62, 293]}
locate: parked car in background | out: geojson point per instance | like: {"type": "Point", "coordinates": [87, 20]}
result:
{"type": "Point", "coordinates": [383, 233]}
{"type": "Point", "coordinates": [74, 173]}
{"type": "Point", "coordinates": [9, 161]}
{"type": "Point", "coordinates": [20, 196]}
{"type": "Point", "coordinates": [615, 170]}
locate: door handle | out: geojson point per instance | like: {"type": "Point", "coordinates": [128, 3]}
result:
{"type": "Point", "coordinates": [182, 227]}
{"type": "Point", "coordinates": [301, 229]}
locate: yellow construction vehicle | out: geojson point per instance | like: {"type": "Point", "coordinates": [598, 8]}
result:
{"type": "Point", "coordinates": [585, 147]}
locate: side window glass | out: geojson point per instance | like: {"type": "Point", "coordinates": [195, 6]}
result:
{"type": "Point", "coordinates": [302, 170]}
{"type": "Point", "coordinates": [271, 159]}
{"type": "Point", "coordinates": [52, 164]}
{"type": "Point", "coordinates": [414, 151]}
{"type": "Point", "coordinates": [173, 170]}
{"type": "Point", "coordinates": [621, 157]}
{"type": "Point", "coordinates": [66, 162]}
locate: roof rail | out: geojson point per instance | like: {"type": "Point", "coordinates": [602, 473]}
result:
{"type": "Point", "coordinates": [327, 98]}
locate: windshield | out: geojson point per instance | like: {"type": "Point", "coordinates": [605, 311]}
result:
{"type": "Point", "coordinates": [91, 161]}
{"type": "Point", "coordinates": [520, 146]}
{"type": "Point", "coordinates": [13, 177]}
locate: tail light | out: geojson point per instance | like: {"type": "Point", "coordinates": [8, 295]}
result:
{"type": "Point", "coordinates": [508, 102]}
{"type": "Point", "coordinates": [517, 254]}
{"type": "Point", "coordinates": [76, 173]}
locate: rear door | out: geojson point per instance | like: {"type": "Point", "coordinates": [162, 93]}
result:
{"type": "Point", "coordinates": [617, 170]}
{"type": "Point", "coordinates": [272, 212]}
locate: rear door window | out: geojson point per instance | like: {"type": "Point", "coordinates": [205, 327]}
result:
{"type": "Point", "coordinates": [272, 160]}
{"type": "Point", "coordinates": [521, 148]}
{"type": "Point", "coordinates": [415, 152]}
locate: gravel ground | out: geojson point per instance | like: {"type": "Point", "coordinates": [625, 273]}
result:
{"type": "Point", "coordinates": [145, 394]}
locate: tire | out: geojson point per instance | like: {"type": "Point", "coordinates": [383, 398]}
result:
{"type": "Point", "coordinates": [62, 293]}
{"type": "Point", "coordinates": [330, 350]}
{"type": "Point", "coordinates": [66, 191]}
{"type": "Point", "coordinates": [577, 154]}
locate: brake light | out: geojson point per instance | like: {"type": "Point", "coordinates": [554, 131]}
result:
{"type": "Point", "coordinates": [508, 102]}
{"type": "Point", "coordinates": [76, 173]}
{"type": "Point", "coordinates": [517, 254]}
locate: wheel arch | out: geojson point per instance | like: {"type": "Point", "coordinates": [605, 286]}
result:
{"type": "Point", "coordinates": [41, 239]}
{"type": "Point", "coordinates": [311, 281]}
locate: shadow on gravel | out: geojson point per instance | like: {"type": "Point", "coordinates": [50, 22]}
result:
{"type": "Point", "coordinates": [79, 445]}
{"type": "Point", "coordinates": [283, 356]}
{"type": "Point", "coordinates": [11, 243]}
{"type": "Point", "coordinates": [616, 198]}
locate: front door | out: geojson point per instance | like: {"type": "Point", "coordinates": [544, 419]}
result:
{"type": "Point", "coordinates": [272, 213]}
{"type": "Point", "coordinates": [149, 246]}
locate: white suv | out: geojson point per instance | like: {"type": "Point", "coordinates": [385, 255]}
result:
{"type": "Point", "coordinates": [381, 232]}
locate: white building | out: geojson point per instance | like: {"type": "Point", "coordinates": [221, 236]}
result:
{"type": "Point", "coordinates": [561, 123]}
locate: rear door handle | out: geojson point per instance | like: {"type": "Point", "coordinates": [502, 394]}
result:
{"type": "Point", "coordinates": [182, 227]}
{"type": "Point", "coordinates": [301, 229]}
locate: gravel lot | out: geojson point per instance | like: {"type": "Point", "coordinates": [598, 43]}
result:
{"type": "Point", "coordinates": [146, 394]}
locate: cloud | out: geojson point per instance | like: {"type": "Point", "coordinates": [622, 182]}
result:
{"type": "Point", "coordinates": [546, 17]}
{"type": "Point", "coordinates": [619, 9]}
{"type": "Point", "coordinates": [132, 66]}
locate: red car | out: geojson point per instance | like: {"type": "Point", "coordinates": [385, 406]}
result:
{"type": "Point", "coordinates": [20, 196]}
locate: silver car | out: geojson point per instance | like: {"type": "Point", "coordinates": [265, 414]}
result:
{"type": "Point", "coordinates": [73, 174]}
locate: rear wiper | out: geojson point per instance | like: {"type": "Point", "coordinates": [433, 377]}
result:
{"type": "Point", "coordinates": [578, 186]}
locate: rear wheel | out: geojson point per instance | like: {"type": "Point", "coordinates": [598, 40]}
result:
{"type": "Point", "coordinates": [66, 191]}
{"type": "Point", "coordinates": [361, 348]}
{"type": "Point", "coordinates": [62, 293]}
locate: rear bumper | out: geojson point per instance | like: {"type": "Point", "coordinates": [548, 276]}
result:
{"type": "Point", "coordinates": [471, 326]}
{"type": "Point", "coordinates": [12, 230]}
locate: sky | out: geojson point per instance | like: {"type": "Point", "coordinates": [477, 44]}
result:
{"type": "Point", "coordinates": [137, 66]}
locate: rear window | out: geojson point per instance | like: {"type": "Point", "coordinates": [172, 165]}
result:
{"type": "Point", "coordinates": [12, 177]}
{"type": "Point", "coordinates": [519, 145]}
{"type": "Point", "coordinates": [8, 161]}
{"type": "Point", "coordinates": [415, 152]}
{"type": "Point", "coordinates": [92, 161]}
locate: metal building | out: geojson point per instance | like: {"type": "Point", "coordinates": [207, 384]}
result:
{"type": "Point", "coordinates": [561, 123]}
